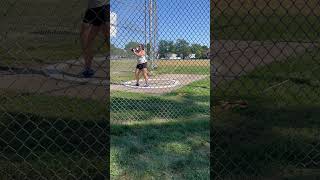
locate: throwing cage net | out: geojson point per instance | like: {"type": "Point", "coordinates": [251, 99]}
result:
{"type": "Point", "coordinates": [135, 23]}
{"type": "Point", "coordinates": [176, 100]}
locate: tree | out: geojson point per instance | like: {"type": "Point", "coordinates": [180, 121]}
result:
{"type": "Point", "coordinates": [115, 51]}
{"type": "Point", "coordinates": [166, 47]}
{"type": "Point", "coordinates": [205, 50]}
{"type": "Point", "coordinates": [196, 49]}
{"type": "Point", "coordinates": [163, 48]}
{"type": "Point", "coordinates": [182, 48]}
{"type": "Point", "coordinates": [171, 47]}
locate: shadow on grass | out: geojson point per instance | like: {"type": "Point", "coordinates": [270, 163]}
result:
{"type": "Point", "coordinates": [153, 107]}
{"type": "Point", "coordinates": [263, 141]}
{"type": "Point", "coordinates": [277, 135]}
{"type": "Point", "coordinates": [171, 140]}
{"type": "Point", "coordinates": [34, 146]}
{"type": "Point", "coordinates": [164, 150]}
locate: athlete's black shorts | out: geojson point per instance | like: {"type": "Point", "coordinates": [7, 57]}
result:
{"type": "Point", "coordinates": [97, 16]}
{"type": "Point", "coordinates": [141, 66]}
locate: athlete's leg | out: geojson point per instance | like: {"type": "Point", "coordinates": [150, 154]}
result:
{"type": "Point", "coordinates": [88, 34]}
{"type": "Point", "coordinates": [137, 76]}
{"type": "Point", "coordinates": [145, 75]}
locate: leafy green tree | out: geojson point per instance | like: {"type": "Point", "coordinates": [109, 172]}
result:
{"type": "Point", "coordinates": [182, 48]}
{"type": "Point", "coordinates": [196, 49]}
{"type": "Point", "coordinates": [115, 51]}
{"type": "Point", "coordinates": [163, 48]}
{"type": "Point", "coordinates": [205, 50]}
{"type": "Point", "coordinates": [171, 47]}
{"type": "Point", "coordinates": [166, 47]}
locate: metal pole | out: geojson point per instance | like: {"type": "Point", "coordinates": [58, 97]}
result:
{"type": "Point", "coordinates": [150, 31]}
{"type": "Point", "coordinates": [145, 26]}
{"type": "Point", "coordinates": [155, 30]}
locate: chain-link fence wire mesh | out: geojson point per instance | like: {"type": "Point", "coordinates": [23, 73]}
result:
{"type": "Point", "coordinates": [176, 46]}
{"type": "Point", "coordinates": [265, 89]}
{"type": "Point", "coordinates": [160, 127]}
{"type": "Point", "coordinates": [53, 120]}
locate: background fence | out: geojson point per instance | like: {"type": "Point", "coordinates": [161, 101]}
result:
{"type": "Point", "coordinates": [53, 124]}
{"type": "Point", "coordinates": [265, 89]}
{"type": "Point", "coordinates": [166, 124]}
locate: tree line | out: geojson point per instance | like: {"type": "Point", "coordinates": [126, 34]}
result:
{"type": "Point", "coordinates": [180, 47]}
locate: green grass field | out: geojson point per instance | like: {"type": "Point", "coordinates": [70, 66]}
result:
{"type": "Point", "coordinates": [276, 135]}
{"type": "Point", "coordinates": [51, 137]}
{"type": "Point", "coordinates": [161, 142]}
{"type": "Point", "coordinates": [123, 70]}
{"type": "Point", "coordinates": [59, 130]}
{"type": "Point", "coordinates": [161, 136]}
{"type": "Point", "coordinates": [40, 32]}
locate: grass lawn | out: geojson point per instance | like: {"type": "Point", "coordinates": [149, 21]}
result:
{"type": "Point", "coordinates": [53, 137]}
{"type": "Point", "coordinates": [39, 32]}
{"type": "Point", "coordinates": [65, 137]}
{"type": "Point", "coordinates": [266, 20]}
{"type": "Point", "coordinates": [163, 136]}
{"type": "Point", "coordinates": [123, 70]}
{"type": "Point", "coordinates": [276, 135]}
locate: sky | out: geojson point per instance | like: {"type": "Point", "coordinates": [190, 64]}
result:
{"type": "Point", "coordinates": [177, 19]}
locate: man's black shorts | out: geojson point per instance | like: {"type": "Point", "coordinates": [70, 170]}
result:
{"type": "Point", "coordinates": [97, 16]}
{"type": "Point", "coordinates": [141, 66]}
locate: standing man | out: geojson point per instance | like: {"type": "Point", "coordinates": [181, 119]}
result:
{"type": "Point", "coordinates": [96, 19]}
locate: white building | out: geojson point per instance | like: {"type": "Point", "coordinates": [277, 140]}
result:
{"type": "Point", "coordinates": [191, 56]}
{"type": "Point", "coordinates": [172, 56]}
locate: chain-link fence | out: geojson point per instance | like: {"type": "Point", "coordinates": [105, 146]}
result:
{"type": "Point", "coordinates": [165, 109]}
{"type": "Point", "coordinates": [54, 99]}
{"type": "Point", "coordinates": [265, 89]}
{"type": "Point", "coordinates": [53, 121]}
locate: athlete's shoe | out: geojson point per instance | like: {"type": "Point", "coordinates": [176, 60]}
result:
{"type": "Point", "coordinates": [87, 73]}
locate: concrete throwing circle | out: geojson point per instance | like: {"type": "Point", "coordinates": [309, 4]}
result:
{"type": "Point", "coordinates": [71, 71]}
{"type": "Point", "coordinates": [153, 84]}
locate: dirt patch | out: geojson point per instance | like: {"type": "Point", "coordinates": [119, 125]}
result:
{"type": "Point", "coordinates": [182, 63]}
